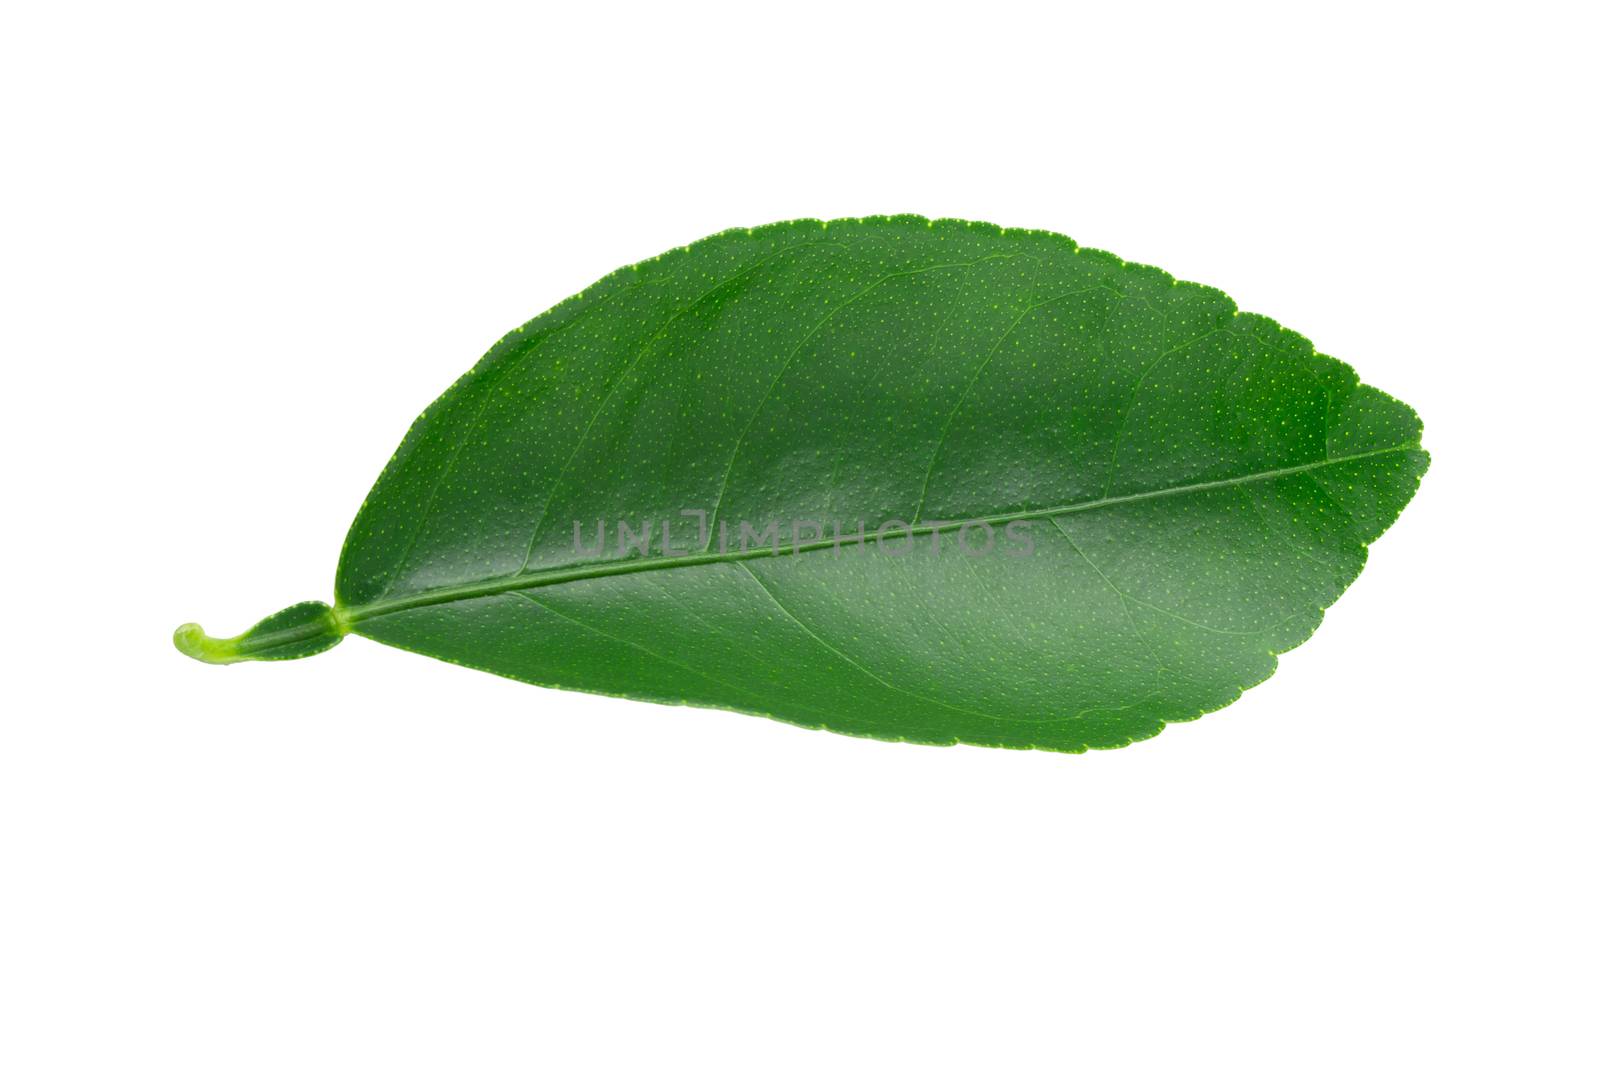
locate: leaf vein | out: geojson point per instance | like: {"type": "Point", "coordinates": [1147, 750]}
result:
{"type": "Point", "coordinates": [555, 576]}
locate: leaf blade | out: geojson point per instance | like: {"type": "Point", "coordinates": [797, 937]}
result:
{"type": "Point", "coordinates": [881, 369]}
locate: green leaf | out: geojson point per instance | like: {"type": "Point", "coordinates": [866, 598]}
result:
{"type": "Point", "coordinates": [1096, 500]}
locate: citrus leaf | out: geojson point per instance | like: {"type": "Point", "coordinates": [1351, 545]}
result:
{"type": "Point", "coordinates": [926, 481]}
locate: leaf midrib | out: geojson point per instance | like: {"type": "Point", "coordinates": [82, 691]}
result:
{"type": "Point", "coordinates": [353, 615]}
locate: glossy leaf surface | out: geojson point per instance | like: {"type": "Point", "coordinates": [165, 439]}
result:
{"type": "Point", "coordinates": [1095, 500]}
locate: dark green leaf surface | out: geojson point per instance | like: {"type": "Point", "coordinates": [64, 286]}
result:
{"type": "Point", "coordinates": [1189, 486]}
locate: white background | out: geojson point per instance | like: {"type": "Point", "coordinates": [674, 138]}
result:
{"type": "Point", "coordinates": [244, 245]}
